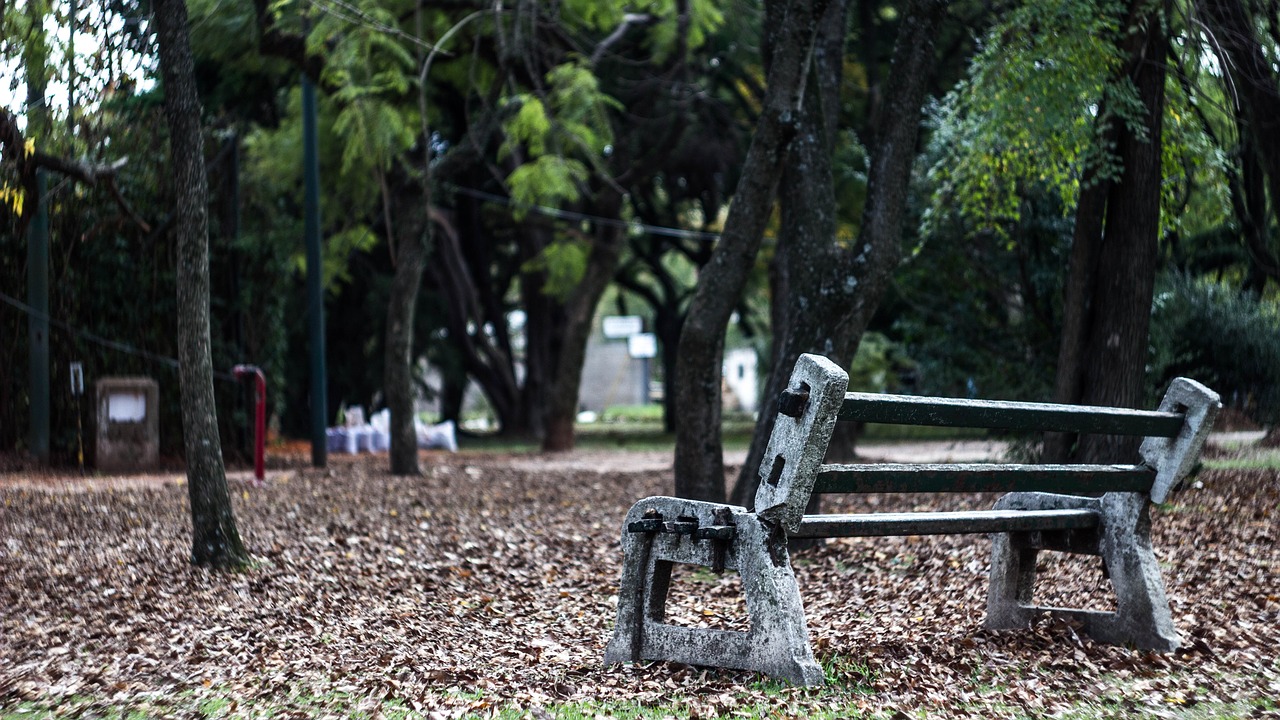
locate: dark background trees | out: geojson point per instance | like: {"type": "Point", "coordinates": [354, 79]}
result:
{"type": "Point", "coordinates": [935, 195]}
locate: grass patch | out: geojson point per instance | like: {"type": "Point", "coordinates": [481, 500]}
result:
{"type": "Point", "coordinates": [851, 674]}
{"type": "Point", "coordinates": [221, 705]}
{"type": "Point", "coordinates": [1260, 460]}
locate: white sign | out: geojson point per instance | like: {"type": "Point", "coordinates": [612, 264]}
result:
{"type": "Point", "coordinates": [77, 378]}
{"type": "Point", "coordinates": [620, 326]}
{"type": "Point", "coordinates": [126, 407]}
{"type": "Point", "coordinates": [642, 345]}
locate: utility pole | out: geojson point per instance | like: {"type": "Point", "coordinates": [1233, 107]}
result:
{"type": "Point", "coordinates": [315, 273]}
{"type": "Point", "coordinates": [38, 321]}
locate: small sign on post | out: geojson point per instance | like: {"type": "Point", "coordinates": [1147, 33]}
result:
{"type": "Point", "coordinates": [77, 390]}
{"type": "Point", "coordinates": [620, 326]}
{"type": "Point", "coordinates": [642, 345]}
{"type": "Point", "coordinates": [77, 379]}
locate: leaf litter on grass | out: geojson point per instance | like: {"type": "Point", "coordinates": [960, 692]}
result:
{"type": "Point", "coordinates": [488, 585]}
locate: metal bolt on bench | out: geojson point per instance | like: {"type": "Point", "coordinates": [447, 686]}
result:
{"type": "Point", "coordinates": [1085, 509]}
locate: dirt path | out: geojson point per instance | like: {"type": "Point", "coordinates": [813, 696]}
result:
{"type": "Point", "coordinates": [15, 474]}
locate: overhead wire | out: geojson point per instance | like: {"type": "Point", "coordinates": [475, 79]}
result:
{"type": "Point", "coordinates": [100, 340]}
{"type": "Point", "coordinates": [583, 217]}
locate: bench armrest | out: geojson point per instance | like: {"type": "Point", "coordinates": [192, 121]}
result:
{"type": "Point", "coordinates": [1173, 458]}
{"type": "Point", "coordinates": [799, 443]}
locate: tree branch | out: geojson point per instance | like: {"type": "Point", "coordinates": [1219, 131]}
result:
{"type": "Point", "coordinates": [628, 21]}
{"type": "Point", "coordinates": [13, 149]}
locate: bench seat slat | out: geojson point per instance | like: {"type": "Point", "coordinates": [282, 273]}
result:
{"type": "Point", "coordinates": [943, 523]}
{"type": "Point", "coordinates": [1004, 415]}
{"type": "Point", "coordinates": [983, 477]}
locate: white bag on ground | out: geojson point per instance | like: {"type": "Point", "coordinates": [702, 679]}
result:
{"type": "Point", "coordinates": [437, 437]}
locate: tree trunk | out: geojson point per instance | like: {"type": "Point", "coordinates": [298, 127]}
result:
{"type": "Point", "coordinates": [807, 211]}
{"type": "Point", "coordinates": [830, 293]}
{"type": "Point", "coordinates": [485, 359]}
{"type": "Point", "coordinates": [579, 314]}
{"type": "Point", "coordinates": [1077, 305]}
{"type": "Point", "coordinates": [544, 334]}
{"type": "Point", "coordinates": [215, 540]}
{"type": "Point", "coordinates": [1113, 366]}
{"type": "Point", "coordinates": [699, 460]}
{"type": "Point", "coordinates": [397, 377]}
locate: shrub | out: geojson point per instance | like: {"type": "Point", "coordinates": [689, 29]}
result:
{"type": "Point", "coordinates": [1225, 338]}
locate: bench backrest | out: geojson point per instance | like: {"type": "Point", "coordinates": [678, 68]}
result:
{"type": "Point", "coordinates": [816, 399]}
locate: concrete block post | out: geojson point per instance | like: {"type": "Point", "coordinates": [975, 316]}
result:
{"type": "Point", "coordinates": [126, 423]}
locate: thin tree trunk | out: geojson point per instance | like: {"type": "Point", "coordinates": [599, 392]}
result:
{"type": "Point", "coordinates": [215, 540]}
{"type": "Point", "coordinates": [544, 333]}
{"type": "Point", "coordinates": [699, 460]}
{"type": "Point", "coordinates": [807, 211]}
{"type": "Point", "coordinates": [1254, 80]}
{"type": "Point", "coordinates": [1082, 265]}
{"type": "Point", "coordinates": [397, 377]}
{"type": "Point", "coordinates": [579, 313]}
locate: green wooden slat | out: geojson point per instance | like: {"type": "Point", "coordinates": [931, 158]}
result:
{"type": "Point", "coordinates": [902, 478]}
{"type": "Point", "coordinates": [998, 414]}
{"type": "Point", "coordinates": [940, 523]}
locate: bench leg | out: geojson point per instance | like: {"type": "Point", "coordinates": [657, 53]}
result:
{"type": "Point", "coordinates": [1012, 582]}
{"type": "Point", "coordinates": [1123, 539]}
{"type": "Point", "coordinates": [777, 642]}
{"type": "Point", "coordinates": [1142, 616]}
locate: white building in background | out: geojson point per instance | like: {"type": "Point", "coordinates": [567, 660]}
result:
{"type": "Point", "coordinates": [741, 389]}
{"type": "Point", "coordinates": [618, 369]}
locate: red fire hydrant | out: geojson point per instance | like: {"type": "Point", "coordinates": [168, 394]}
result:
{"type": "Point", "coordinates": [259, 418]}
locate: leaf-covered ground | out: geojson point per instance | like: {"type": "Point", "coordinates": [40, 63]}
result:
{"type": "Point", "coordinates": [488, 585]}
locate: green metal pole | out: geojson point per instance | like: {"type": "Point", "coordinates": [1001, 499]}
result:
{"type": "Point", "coordinates": [315, 287]}
{"type": "Point", "coordinates": [38, 321]}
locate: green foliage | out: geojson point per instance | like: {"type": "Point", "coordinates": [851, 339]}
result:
{"type": "Point", "coordinates": [580, 108]}
{"type": "Point", "coordinates": [979, 311]}
{"type": "Point", "coordinates": [1195, 195]}
{"type": "Point", "coordinates": [374, 132]}
{"type": "Point", "coordinates": [272, 182]}
{"type": "Point", "coordinates": [337, 248]}
{"type": "Point", "coordinates": [560, 136]}
{"type": "Point", "coordinates": [1036, 107]}
{"type": "Point", "coordinates": [529, 126]}
{"type": "Point", "coordinates": [1026, 113]}
{"type": "Point", "coordinates": [372, 71]}
{"type": "Point", "coordinates": [1222, 337]}
{"type": "Point", "coordinates": [564, 262]}
{"type": "Point", "coordinates": [879, 364]}
{"type": "Point", "coordinates": [548, 180]}
{"type": "Point", "coordinates": [706, 17]}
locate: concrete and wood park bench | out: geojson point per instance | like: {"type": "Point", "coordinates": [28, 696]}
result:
{"type": "Point", "coordinates": [1098, 510]}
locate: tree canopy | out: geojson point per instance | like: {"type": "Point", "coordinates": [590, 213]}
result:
{"type": "Point", "coordinates": [522, 162]}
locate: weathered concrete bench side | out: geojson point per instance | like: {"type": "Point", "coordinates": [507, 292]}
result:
{"type": "Point", "coordinates": [662, 531]}
{"type": "Point", "coordinates": [1122, 539]}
